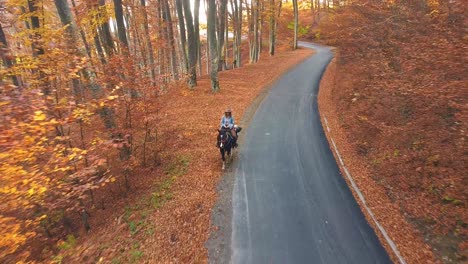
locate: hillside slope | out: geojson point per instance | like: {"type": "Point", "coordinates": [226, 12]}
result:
{"type": "Point", "coordinates": [399, 97]}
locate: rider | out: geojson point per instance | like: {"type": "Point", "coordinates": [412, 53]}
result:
{"type": "Point", "coordinates": [227, 122]}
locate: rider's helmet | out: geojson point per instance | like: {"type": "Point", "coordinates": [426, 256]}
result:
{"type": "Point", "coordinates": [228, 110]}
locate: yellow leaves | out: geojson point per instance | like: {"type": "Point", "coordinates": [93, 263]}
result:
{"type": "Point", "coordinates": [82, 114]}
{"type": "Point", "coordinates": [362, 118]}
{"type": "Point", "coordinates": [39, 116]}
{"type": "Point", "coordinates": [11, 236]}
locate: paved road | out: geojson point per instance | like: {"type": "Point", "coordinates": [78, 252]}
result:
{"type": "Point", "coordinates": [290, 203]}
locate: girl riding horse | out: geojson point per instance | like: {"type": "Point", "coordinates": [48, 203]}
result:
{"type": "Point", "coordinates": [227, 122]}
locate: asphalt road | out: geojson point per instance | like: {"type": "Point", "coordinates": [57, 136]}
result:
{"type": "Point", "coordinates": [290, 203]}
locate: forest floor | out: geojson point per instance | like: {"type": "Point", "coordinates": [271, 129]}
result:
{"type": "Point", "coordinates": [395, 100]}
{"type": "Point", "coordinates": [166, 216]}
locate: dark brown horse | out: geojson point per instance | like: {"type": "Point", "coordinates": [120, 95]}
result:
{"type": "Point", "coordinates": [226, 142]}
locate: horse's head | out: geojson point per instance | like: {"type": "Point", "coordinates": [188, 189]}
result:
{"type": "Point", "coordinates": [224, 137]}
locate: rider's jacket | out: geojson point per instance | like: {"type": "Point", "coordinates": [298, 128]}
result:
{"type": "Point", "coordinates": [227, 120]}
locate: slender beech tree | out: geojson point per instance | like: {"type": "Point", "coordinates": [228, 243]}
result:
{"type": "Point", "coordinates": [296, 22]}
{"type": "Point", "coordinates": [119, 17]}
{"type": "Point", "coordinates": [192, 52]}
{"type": "Point", "coordinates": [6, 59]}
{"type": "Point", "coordinates": [273, 24]}
{"type": "Point", "coordinates": [213, 45]}
{"type": "Point", "coordinates": [196, 24]}
{"type": "Point", "coordinates": [237, 26]}
{"type": "Point", "coordinates": [183, 36]}
{"type": "Point", "coordinates": [170, 38]}
{"type": "Point", "coordinates": [149, 45]}
{"type": "Point", "coordinates": [104, 29]}
{"type": "Point", "coordinates": [221, 31]}
{"type": "Point", "coordinates": [66, 17]}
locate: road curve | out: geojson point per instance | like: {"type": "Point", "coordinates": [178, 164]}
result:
{"type": "Point", "coordinates": [290, 204]}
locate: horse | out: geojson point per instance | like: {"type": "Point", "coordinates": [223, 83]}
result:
{"type": "Point", "coordinates": [225, 143]}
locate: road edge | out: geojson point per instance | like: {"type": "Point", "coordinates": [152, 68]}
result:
{"type": "Point", "coordinates": [389, 244]}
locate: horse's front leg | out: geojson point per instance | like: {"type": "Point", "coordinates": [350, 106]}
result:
{"type": "Point", "coordinates": [223, 157]}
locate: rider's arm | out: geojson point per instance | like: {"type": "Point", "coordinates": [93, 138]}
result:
{"type": "Point", "coordinates": [222, 122]}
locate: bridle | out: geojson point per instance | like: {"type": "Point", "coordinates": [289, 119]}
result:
{"type": "Point", "coordinates": [225, 141]}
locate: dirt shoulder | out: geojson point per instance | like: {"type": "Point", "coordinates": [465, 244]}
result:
{"type": "Point", "coordinates": [169, 220]}
{"type": "Point", "coordinates": [408, 240]}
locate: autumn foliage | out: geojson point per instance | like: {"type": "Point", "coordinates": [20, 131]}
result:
{"type": "Point", "coordinates": [66, 129]}
{"type": "Point", "coordinates": [399, 94]}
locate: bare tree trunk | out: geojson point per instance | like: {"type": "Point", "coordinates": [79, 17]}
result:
{"type": "Point", "coordinates": [296, 18]}
{"type": "Point", "coordinates": [105, 32]}
{"type": "Point", "coordinates": [272, 27]}
{"type": "Point", "coordinates": [170, 36]}
{"type": "Point", "coordinates": [149, 45]}
{"type": "Point", "coordinates": [238, 44]}
{"type": "Point", "coordinates": [207, 50]}
{"type": "Point", "coordinates": [119, 17]}
{"type": "Point", "coordinates": [275, 13]}
{"type": "Point", "coordinates": [183, 38]}
{"type": "Point", "coordinates": [8, 62]}
{"type": "Point", "coordinates": [67, 19]}
{"type": "Point", "coordinates": [255, 20]}
{"type": "Point", "coordinates": [82, 34]}
{"type": "Point", "coordinates": [35, 24]}
{"type": "Point", "coordinates": [192, 52]}
{"type": "Point", "coordinates": [213, 45]}
{"type": "Point", "coordinates": [260, 28]}
{"type": "Point", "coordinates": [37, 49]}
{"type": "Point", "coordinates": [221, 28]}
{"type": "Point", "coordinates": [226, 43]}
{"type": "Point", "coordinates": [197, 33]}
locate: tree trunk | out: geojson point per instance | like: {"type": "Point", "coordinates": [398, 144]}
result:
{"type": "Point", "coordinates": [213, 45]}
{"type": "Point", "coordinates": [149, 45]}
{"type": "Point", "coordinates": [105, 31]}
{"type": "Point", "coordinates": [8, 62]}
{"type": "Point", "coordinates": [35, 24]}
{"type": "Point", "coordinates": [183, 38]}
{"type": "Point", "coordinates": [119, 17]}
{"type": "Point", "coordinates": [274, 24]}
{"type": "Point", "coordinates": [192, 52]}
{"type": "Point", "coordinates": [66, 18]}
{"type": "Point", "coordinates": [221, 29]}
{"type": "Point", "coordinates": [197, 33]}
{"type": "Point", "coordinates": [170, 37]}
{"type": "Point", "coordinates": [296, 18]}
{"type": "Point", "coordinates": [83, 36]}
{"type": "Point", "coordinates": [239, 35]}
{"type": "Point", "coordinates": [272, 27]}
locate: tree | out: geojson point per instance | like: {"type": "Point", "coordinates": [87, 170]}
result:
{"type": "Point", "coordinates": [119, 17]}
{"type": "Point", "coordinates": [104, 29]}
{"type": "Point", "coordinates": [197, 32]}
{"type": "Point", "coordinates": [149, 45]}
{"type": "Point", "coordinates": [183, 36]}
{"type": "Point", "coordinates": [4, 53]}
{"type": "Point", "coordinates": [211, 20]}
{"type": "Point", "coordinates": [192, 44]}
{"type": "Point", "coordinates": [237, 25]}
{"type": "Point", "coordinates": [273, 24]}
{"type": "Point", "coordinates": [221, 30]}
{"type": "Point", "coordinates": [296, 23]}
